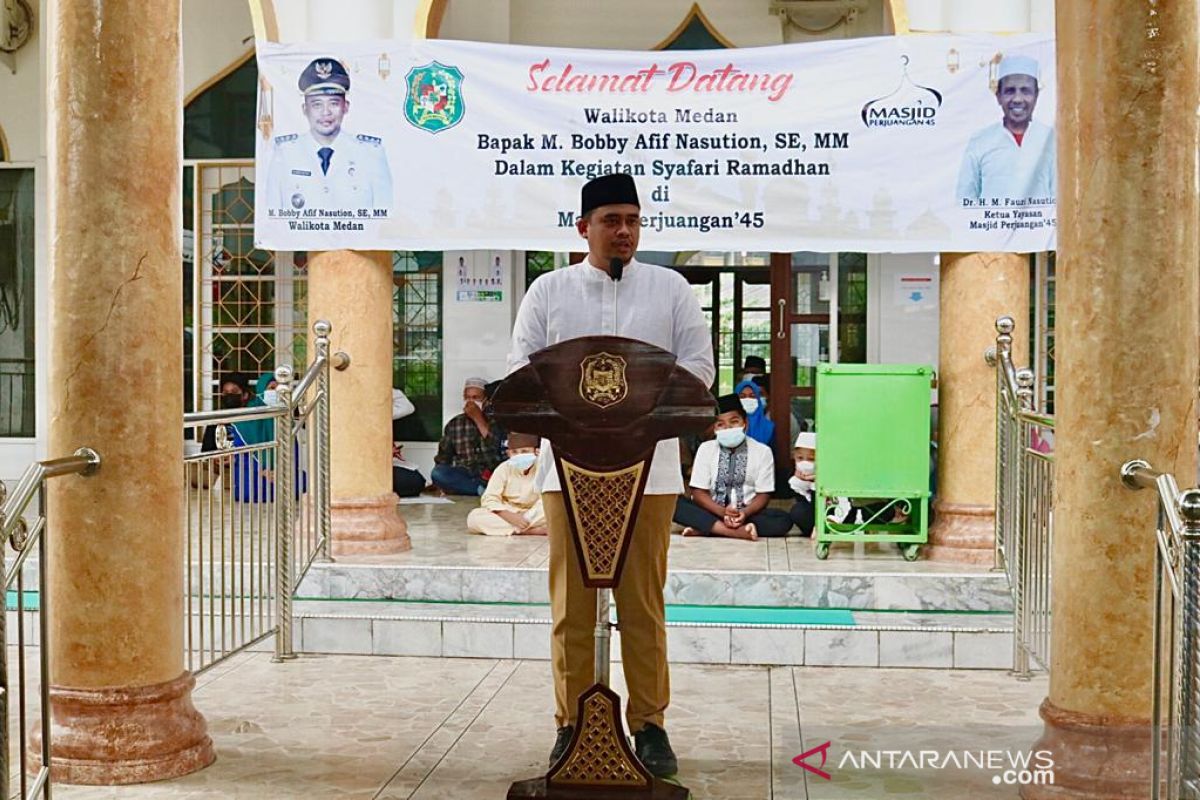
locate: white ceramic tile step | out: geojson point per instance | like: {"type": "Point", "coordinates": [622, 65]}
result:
{"type": "Point", "coordinates": [866, 590]}
{"type": "Point", "coordinates": [963, 641]}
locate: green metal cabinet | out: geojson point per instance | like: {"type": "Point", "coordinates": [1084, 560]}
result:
{"type": "Point", "coordinates": [873, 446]}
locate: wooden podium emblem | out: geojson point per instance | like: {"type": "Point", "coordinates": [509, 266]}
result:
{"type": "Point", "coordinates": [602, 380]}
{"type": "Point", "coordinates": [604, 403]}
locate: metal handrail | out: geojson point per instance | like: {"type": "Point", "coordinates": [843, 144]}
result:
{"type": "Point", "coordinates": [1175, 738]}
{"type": "Point", "coordinates": [85, 462]}
{"type": "Point", "coordinates": [243, 592]}
{"type": "Point", "coordinates": [339, 361]}
{"type": "Point", "coordinates": [23, 537]}
{"type": "Point", "coordinates": [227, 416]}
{"type": "Point", "coordinates": [1024, 495]}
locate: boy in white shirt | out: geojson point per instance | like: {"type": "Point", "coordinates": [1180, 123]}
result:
{"type": "Point", "coordinates": [803, 482]}
{"type": "Point", "coordinates": [732, 480]}
{"type": "Point", "coordinates": [511, 504]}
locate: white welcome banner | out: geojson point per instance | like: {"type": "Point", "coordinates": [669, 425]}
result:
{"type": "Point", "coordinates": [890, 144]}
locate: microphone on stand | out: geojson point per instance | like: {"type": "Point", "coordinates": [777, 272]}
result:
{"type": "Point", "coordinates": [615, 267]}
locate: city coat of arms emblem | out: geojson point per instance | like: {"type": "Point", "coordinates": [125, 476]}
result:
{"type": "Point", "coordinates": [433, 100]}
{"type": "Point", "coordinates": [603, 381]}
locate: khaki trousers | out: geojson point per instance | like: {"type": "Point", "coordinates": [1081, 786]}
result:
{"type": "Point", "coordinates": [480, 520]}
{"type": "Point", "coordinates": [640, 610]}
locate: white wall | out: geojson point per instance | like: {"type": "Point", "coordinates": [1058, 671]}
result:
{"type": "Point", "coordinates": [377, 19]}
{"type": "Point", "coordinates": [475, 335]}
{"type": "Point", "coordinates": [619, 24]}
{"type": "Point", "coordinates": [900, 331]}
{"type": "Point", "coordinates": [481, 20]}
{"type": "Point", "coordinates": [20, 115]}
{"type": "Point", "coordinates": [215, 34]}
{"type": "Point", "coordinates": [978, 16]}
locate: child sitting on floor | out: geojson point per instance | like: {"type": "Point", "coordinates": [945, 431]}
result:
{"type": "Point", "coordinates": [803, 482]}
{"type": "Point", "coordinates": [511, 504]}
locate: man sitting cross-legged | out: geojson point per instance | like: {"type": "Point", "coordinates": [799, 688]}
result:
{"type": "Point", "coordinates": [732, 480]}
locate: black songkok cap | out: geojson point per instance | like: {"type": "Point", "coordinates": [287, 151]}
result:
{"type": "Point", "coordinates": [324, 76]}
{"type": "Point", "coordinates": [730, 402]}
{"type": "Point", "coordinates": [755, 361]}
{"type": "Point", "coordinates": [609, 190]}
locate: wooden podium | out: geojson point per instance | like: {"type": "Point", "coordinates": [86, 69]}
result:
{"type": "Point", "coordinates": [604, 403]}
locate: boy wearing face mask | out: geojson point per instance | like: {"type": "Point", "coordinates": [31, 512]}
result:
{"type": "Point", "coordinates": [732, 480]}
{"type": "Point", "coordinates": [803, 482]}
{"type": "Point", "coordinates": [511, 505]}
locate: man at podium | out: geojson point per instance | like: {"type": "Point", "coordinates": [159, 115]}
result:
{"type": "Point", "coordinates": [611, 293]}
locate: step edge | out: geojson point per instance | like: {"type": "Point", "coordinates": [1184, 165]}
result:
{"type": "Point", "coordinates": [738, 625]}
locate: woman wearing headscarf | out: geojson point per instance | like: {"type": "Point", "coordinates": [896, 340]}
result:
{"type": "Point", "coordinates": [257, 431]}
{"type": "Point", "coordinates": [759, 426]}
{"type": "Point", "coordinates": [253, 471]}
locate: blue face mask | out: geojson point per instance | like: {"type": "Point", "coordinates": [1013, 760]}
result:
{"type": "Point", "coordinates": [523, 461]}
{"type": "Point", "coordinates": [731, 437]}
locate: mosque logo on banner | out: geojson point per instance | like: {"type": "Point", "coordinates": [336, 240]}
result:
{"type": "Point", "coordinates": [434, 101]}
{"type": "Point", "coordinates": [908, 104]}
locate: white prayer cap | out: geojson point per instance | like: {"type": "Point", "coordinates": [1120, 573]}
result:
{"type": "Point", "coordinates": [478, 383]}
{"type": "Point", "coordinates": [1019, 65]}
{"type": "Point", "coordinates": [807, 440]}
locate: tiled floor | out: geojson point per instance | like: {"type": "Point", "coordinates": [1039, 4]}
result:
{"type": "Point", "coordinates": [439, 538]}
{"type": "Point", "coordinates": [419, 728]}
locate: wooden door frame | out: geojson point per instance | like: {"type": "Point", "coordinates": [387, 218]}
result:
{"type": "Point", "coordinates": [782, 319]}
{"type": "Point", "coordinates": [781, 385]}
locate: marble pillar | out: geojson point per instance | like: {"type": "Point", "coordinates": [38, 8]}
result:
{"type": "Point", "coordinates": [120, 697]}
{"type": "Point", "coordinates": [1128, 327]}
{"type": "Point", "coordinates": [353, 290]}
{"type": "Point", "coordinates": [976, 289]}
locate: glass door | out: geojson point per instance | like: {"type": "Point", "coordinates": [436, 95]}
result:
{"type": "Point", "coordinates": [804, 289]}
{"type": "Point", "coordinates": [734, 292]}
{"type": "Point", "coordinates": [812, 295]}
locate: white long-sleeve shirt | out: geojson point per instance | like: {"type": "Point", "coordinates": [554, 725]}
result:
{"type": "Point", "coordinates": [995, 166]}
{"type": "Point", "coordinates": [650, 303]}
{"type": "Point", "coordinates": [401, 405]}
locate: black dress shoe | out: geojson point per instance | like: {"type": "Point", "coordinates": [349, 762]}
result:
{"type": "Point", "coordinates": [561, 743]}
{"type": "Point", "coordinates": [654, 751]}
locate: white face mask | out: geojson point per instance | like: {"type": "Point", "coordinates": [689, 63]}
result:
{"type": "Point", "coordinates": [731, 437]}
{"type": "Point", "coordinates": [523, 461]}
{"type": "Point", "coordinates": [750, 404]}
{"type": "Point", "coordinates": [478, 404]}
{"type": "Point", "coordinates": [749, 376]}
{"type": "Point", "coordinates": [805, 466]}
{"type": "Point", "coordinates": [271, 397]}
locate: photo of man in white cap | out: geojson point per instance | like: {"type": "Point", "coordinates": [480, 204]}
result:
{"type": "Point", "coordinates": [1013, 158]}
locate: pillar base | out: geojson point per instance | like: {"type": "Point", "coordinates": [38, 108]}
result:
{"type": "Point", "coordinates": [1095, 757]}
{"type": "Point", "coordinates": [368, 526]}
{"type": "Point", "coordinates": [961, 533]}
{"type": "Point", "coordinates": [120, 735]}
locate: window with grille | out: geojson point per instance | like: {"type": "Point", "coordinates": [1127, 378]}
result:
{"type": "Point", "coordinates": [537, 262]}
{"type": "Point", "coordinates": [248, 308]}
{"type": "Point", "coordinates": [417, 342]}
{"type": "Point", "coordinates": [17, 409]}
